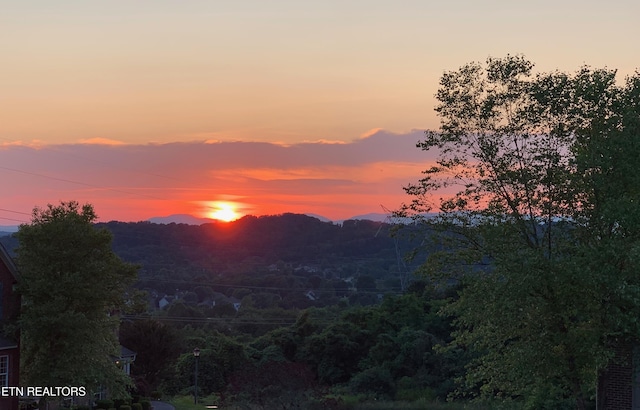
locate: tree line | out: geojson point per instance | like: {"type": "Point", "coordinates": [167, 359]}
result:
{"type": "Point", "coordinates": [537, 180]}
{"type": "Point", "coordinates": [526, 234]}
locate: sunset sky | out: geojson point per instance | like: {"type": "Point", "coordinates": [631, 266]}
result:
{"type": "Point", "coordinates": [153, 107]}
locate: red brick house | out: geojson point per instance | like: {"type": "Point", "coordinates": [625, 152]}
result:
{"type": "Point", "coordinates": [619, 383]}
{"type": "Point", "coordinates": [9, 343]}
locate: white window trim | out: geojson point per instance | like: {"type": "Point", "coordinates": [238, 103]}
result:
{"type": "Point", "coordinates": [6, 375]}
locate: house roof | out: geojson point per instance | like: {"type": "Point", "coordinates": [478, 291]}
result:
{"type": "Point", "coordinates": [126, 353]}
{"type": "Point", "coordinates": [7, 344]}
{"type": "Point", "coordinates": [8, 262]}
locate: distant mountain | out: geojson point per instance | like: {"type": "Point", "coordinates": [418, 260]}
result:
{"type": "Point", "coordinates": [376, 217]}
{"type": "Point", "coordinates": [6, 230]}
{"type": "Point", "coordinates": [220, 248]}
{"type": "Point", "coordinates": [180, 219]}
{"type": "Point", "coordinates": [320, 217]}
{"type": "Point", "coordinates": [192, 220]}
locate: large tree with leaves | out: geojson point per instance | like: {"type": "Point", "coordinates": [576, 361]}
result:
{"type": "Point", "coordinates": [72, 287]}
{"type": "Point", "coordinates": [536, 194]}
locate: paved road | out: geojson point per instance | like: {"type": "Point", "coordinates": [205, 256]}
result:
{"type": "Point", "coordinates": [158, 405]}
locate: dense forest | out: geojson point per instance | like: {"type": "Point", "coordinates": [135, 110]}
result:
{"type": "Point", "coordinates": [522, 290]}
{"type": "Point", "coordinates": [288, 261]}
{"type": "Point", "coordinates": [324, 312]}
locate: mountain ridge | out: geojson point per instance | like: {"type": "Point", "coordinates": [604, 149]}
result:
{"type": "Point", "coordinates": [187, 219]}
{"type": "Point", "coordinates": [193, 220]}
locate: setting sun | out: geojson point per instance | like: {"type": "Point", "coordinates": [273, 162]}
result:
{"type": "Point", "coordinates": [223, 211]}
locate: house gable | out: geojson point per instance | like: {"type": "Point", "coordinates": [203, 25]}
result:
{"type": "Point", "coordinates": [9, 311]}
{"type": "Point", "coordinates": [9, 299]}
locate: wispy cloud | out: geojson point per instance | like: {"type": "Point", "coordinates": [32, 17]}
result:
{"type": "Point", "coordinates": [101, 141]}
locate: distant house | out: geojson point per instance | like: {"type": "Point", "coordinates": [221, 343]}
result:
{"type": "Point", "coordinates": [165, 301]}
{"type": "Point", "coordinates": [308, 269]}
{"type": "Point", "coordinates": [208, 302]}
{"type": "Point", "coordinates": [127, 357]}
{"type": "Point", "coordinates": [220, 299]}
{"type": "Point", "coordinates": [9, 344]}
{"type": "Point", "coordinates": [235, 302]}
{"type": "Point", "coordinates": [124, 362]}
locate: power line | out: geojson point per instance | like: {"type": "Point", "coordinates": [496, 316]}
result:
{"type": "Point", "coordinates": [84, 183]}
{"type": "Point", "coordinates": [77, 182]}
{"type": "Point", "coordinates": [240, 286]}
{"type": "Point", "coordinates": [13, 220]}
{"type": "Point", "coordinates": [15, 212]}
{"type": "Point", "coordinates": [92, 160]}
{"type": "Point", "coordinates": [236, 321]}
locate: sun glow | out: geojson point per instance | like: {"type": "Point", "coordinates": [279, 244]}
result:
{"type": "Point", "coordinates": [223, 211]}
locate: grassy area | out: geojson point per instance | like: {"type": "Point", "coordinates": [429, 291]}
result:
{"type": "Point", "coordinates": [417, 405]}
{"type": "Point", "coordinates": [186, 403]}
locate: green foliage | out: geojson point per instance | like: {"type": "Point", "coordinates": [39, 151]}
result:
{"type": "Point", "coordinates": [220, 356]}
{"type": "Point", "coordinates": [272, 259]}
{"type": "Point", "coordinates": [409, 390]}
{"type": "Point", "coordinates": [136, 406]}
{"type": "Point", "coordinates": [157, 346]}
{"type": "Point", "coordinates": [186, 402]}
{"type": "Point", "coordinates": [362, 348]}
{"type": "Point", "coordinates": [538, 220]}
{"type": "Point", "coordinates": [336, 352]}
{"type": "Point", "coordinates": [104, 404]}
{"type": "Point", "coordinates": [71, 282]}
{"type": "Point", "coordinates": [383, 343]}
{"type": "Point", "coordinates": [274, 385]}
{"type": "Point", "coordinates": [420, 404]}
{"type": "Point", "coordinates": [376, 380]}
{"type": "Point", "coordinates": [120, 402]}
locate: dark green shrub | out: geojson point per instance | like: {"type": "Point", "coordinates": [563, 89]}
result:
{"type": "Point", "coordinates": [82, 407]}
{"type": "Point", "coordinates": [376, 380]}
{"type": "Point", "coordinates": [136, 406]}
{"type": "Point", "coordinates": [155, 395]}
{"type": "Point", "coordinates": [146, 404]}
{"type": "Point", "coordinates": [104, 404]}
{"type": "Point", "coordinates": [29, 405]}
{"type": "Point", "coordinates": [124, 407]}
{"type": "Point", "coordinates": [117, 403]}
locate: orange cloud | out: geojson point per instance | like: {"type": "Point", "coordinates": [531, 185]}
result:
{"type": "Point", "coordinates": [33, 144]}
{"type": "Point", "coordinates": [370, 132]}
{"type": "Point", "coordinates": [367, 173]}
{"type": "Point", "coordinates": [101, 141]}
{"type": "Point", "coordinates": [136, 182]}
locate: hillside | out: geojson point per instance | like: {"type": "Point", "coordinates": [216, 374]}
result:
{"type": "Point", "coordinates": [284, 256]}
{"type": "Point", "coordinates": [275, 259]}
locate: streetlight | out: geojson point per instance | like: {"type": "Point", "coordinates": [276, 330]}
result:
{"type": "Point", "coordinates": [196, 354]}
